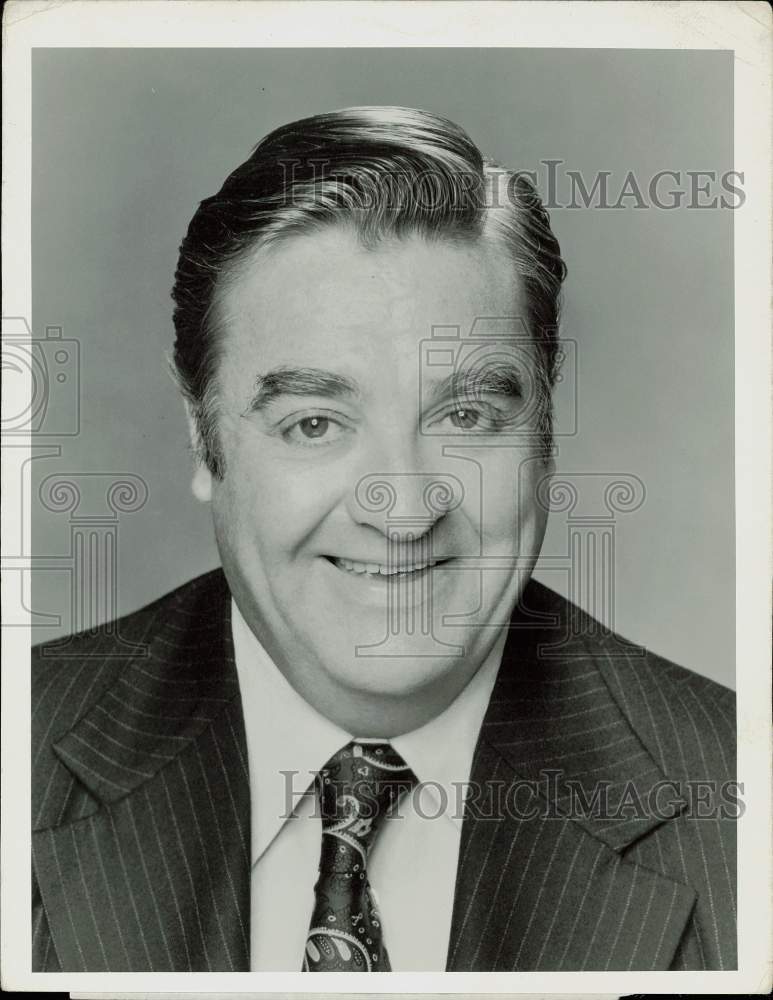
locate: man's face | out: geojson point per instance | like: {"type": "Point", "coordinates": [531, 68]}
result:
{"type": "Point", "coordinates": [335, 423]}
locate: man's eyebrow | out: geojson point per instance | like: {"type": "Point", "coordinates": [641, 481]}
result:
{"type": "Point", "coordinates": [288, 381]}
{"type": "Point", "coordinates": [503, 377]}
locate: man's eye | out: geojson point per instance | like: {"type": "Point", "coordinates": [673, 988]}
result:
{"type": "Point", "coordinates": [313, 429]}
{"type": "Point", "coordinates": [478, 417]}
{"type": "Point", "coordinates": [464, 419]}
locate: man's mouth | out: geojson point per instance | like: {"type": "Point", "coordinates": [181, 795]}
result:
{"type": "Point", "coordinates": [382, 569]}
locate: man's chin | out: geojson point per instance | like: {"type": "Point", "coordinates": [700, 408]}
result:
{"type": "Point", "coordinates": [400, 675]}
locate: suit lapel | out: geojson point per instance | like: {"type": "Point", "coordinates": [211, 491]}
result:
{"type": "Point", "coordinates": [158, 878]}
{"type": "Point", "coordinates": [560, 787]}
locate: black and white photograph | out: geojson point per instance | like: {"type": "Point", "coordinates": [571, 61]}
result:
{"type": "Point", "coordinates": [386, 553]}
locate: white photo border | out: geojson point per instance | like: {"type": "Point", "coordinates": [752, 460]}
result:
{"type": "Point", "coordinates": [744, 28]}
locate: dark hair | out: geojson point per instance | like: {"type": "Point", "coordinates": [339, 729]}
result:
{"type": "Point", "coordinates": [387, 171]}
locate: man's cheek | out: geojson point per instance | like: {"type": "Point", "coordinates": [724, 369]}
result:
{"type": "Point", "coordinates": [237, 513]}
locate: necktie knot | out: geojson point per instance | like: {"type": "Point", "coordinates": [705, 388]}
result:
{"type": "Point", "coordinates": [358, 788]}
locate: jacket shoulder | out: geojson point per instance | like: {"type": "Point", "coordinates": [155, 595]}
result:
{"type": "Point", "coordinates": [70, 663]}
{"type": "Point", "coordinates": [71, 674]}
{"type": "Point", "coordinates": [685, 720]}
{"type": "Point", "coordinates": [135, 624]}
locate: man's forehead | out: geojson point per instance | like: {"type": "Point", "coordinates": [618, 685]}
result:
{"type": "Point", "coordinates": [328, 278]}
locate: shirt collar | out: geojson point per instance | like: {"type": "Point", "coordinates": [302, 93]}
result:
{"type": "Point", "coordinates": [440, 752]}
{"type": "Point", "coordinates": [288, 740]}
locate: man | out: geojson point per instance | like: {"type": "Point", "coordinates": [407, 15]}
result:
{"type": "Point", "coordinates": [366, 320]}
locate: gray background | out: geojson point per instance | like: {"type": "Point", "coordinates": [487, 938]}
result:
{"type": "Point", "coordinates": [125, 144]}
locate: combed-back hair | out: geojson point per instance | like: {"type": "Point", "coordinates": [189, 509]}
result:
{"type": "Point", "coordinates": [388, 172]}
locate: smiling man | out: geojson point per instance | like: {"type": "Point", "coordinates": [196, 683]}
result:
{"type": "Point", "coordinates": [372, 742]}
{"type": "Point", "coordinates": [317, 391]}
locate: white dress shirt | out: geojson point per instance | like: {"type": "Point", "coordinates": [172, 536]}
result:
{"type": "Point", "coordinates": [412, 866]}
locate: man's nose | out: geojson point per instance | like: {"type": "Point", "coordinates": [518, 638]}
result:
{"type": "Point", "coordinates": [403, 495]}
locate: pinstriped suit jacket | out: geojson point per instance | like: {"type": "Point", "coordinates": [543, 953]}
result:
{"type": "Point", "coordinates": [141, 801]}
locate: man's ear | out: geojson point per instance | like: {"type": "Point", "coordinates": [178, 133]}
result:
{"type": "Point", "coordinates": [201, 484]}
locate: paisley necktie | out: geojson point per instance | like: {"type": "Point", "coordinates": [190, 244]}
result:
{"type": "Point", "coordinates": [358, 789]}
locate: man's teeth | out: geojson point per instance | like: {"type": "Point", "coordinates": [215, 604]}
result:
{"type": "Point", "coordinates": [379, 569]}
